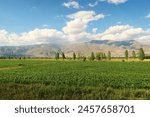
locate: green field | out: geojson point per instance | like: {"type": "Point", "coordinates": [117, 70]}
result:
{"type": "Point", "coordinates": [50, 79]}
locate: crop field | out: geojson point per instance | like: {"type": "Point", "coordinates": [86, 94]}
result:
{"type": "Point", "coordinates": [51, 79]}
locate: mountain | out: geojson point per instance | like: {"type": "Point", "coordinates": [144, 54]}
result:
{"type": "Point", "coordinates": [43, 50]}
{"type": "Point", "coordinates": [117, 48]}
{"type": "Point", "coordinates": [114, 43]}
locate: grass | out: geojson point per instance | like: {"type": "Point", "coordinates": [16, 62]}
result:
{"type": "Point", "coordinates": [50, 79]}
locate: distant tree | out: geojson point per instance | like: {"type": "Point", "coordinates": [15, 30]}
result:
{"type": "Point", "coordinates": [98, 57]}
{"type": "Point", "coordinates": [101, 56]}
{"type": "Point", "coordinates": [63, 56]}
{"type": "Point", "coordinates": [92, 56]}
{"type": "Point", "coordinates": [133, 55]}
{"type": "Point", "coordinates": [104, 56]}
{"type": "Point", "coordinates": [109, 55]}
{"type": "Point", "coordinates": [141, 54]}
{"type": "Point", "coordinates": [79, 55]}
{"type": "Point", "coordinates": [84, 58]}
{"type": "Point", "coordinates": [57, 55]}
{"type": "Point", "coordinates": [24, 57]}
{"type": "Point", "coordinates": [74, 55]}
{"type": "Point", "coordinates": [126, 54]}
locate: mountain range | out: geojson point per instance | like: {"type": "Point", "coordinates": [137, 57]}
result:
{"type": "Point", "coordinates": [117, 48]}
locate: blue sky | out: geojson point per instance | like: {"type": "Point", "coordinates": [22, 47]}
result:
{"type": "Point", "coordinates": [20, 18]}
{"type": "Point", "coordinates": [31, 14]}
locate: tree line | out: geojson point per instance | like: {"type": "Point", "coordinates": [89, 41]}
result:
{"type": "Point", "coordinates": [94, 56]}
{"type": "Point", "coordinates": [101, 56]}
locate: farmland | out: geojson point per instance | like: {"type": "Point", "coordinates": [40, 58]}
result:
{"type": "Point", "coordinates": [51, 79]}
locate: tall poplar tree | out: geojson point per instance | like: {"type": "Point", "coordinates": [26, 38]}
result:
{"type": "Point", "coordinates": [98, 57]}
{"type": "Point", "coordinates": [92, 56]}
{"type": "Point", "coordinates": [109, 55]}
{"type": "Point", "coordinates": [133, 55]}
{"type": "Point", "coordinates": [63, 56]}
{"type": "Point", "coordinates": [57, 55]}
{"type": "Point", "coordinates": [126, 54]}
{"type": "Point", "coordinates": [74, 55]}
{"type": "Point", "coordinates": [141, 54]}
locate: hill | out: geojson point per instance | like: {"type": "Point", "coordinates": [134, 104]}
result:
{"type": "Point", "coordinates": [117, 48]}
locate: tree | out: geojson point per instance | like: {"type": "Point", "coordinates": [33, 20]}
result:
{"type": "Point", "coordinates": [63, 56]}
{"type": "Point", "coordinates": [92, 56]}
{"type": "Point", "coordinates": [109, 55]}
{"type": "Point", "coordinates": [24, 57]}
{"type": "Point", "coordinates": [141, 54]}
{"type": "Point", "coordinates": [104, 56]}
{"type": "Point", "coordinates": [133, 55]}
{"type": "Point", "coordinates": [126, 54]}
{"type": "Point", "coordinates": [57, 55]}
{"type": "Point", "coordinates": [79, 55]}
{"type": "Point", "coordinates": [74, 55]}
{"type": "Point", "coordinates": [101, 56]}
{"type": "Point", "coordinates": [98, 57]}
{"type": "Point", "coordinates": [84, 58]}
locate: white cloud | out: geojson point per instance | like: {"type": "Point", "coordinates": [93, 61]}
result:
{"type": "Point", "coordinates": [147, 16]}
{"type": "Point", "coordinates": [75, 31]}
{"type": "Point", "coordinates": [37, 36]}
{"type": "Point", "coordinates": [116, 1]}
{"type": "Point", "coordinates": [124, 32]}
{"type": "Point", "coordinates": [3, 37]}
{"type": "Point", "coordinates": [109, 1]}
{"type": "Point", "coordinates": [43, 36]}
{"type": "Point", "coordinates": [76, 28]}
{"type": "Point", "coordinates": [72, 4]}
{"type": "Point", "coordinates": [121, 32]}
{"type": "Point", "coordinates": [94, 30]}
{"type": "Point", "coordinates": [93, 4]}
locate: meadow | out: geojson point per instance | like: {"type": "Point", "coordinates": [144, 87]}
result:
{"type": "Point", "coordinates": [72, 80]}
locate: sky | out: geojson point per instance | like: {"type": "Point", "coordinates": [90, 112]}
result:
{"type": "Point", "coordinates": [29, 22]}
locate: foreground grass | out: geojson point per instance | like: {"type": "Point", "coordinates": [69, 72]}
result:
{"type": "Point", "coordinates": [41, 91]}
{"type": "Point", "coordinates": [43, 79]}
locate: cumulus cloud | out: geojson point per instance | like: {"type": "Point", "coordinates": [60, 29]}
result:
{"type": "Point", "coordinates": [37, 36]}
{"type": "Point", "coordinates": [40, 36]}
{"type": "Point", "coordinates": [124, 32]}
{"type": "Point", "coordinates": [75, 31]}
{"type": "Point", "coordinates": [43, 36]}
{"type": "Point", "coordinates": [76, 28]}
{"type": "Point", "coordinates": [3, 37]}
{"type": "Point", "coordinates": [147, 16]}
{"type": "Point", "coordinates": [121, 32]}
{"type": "Point", "coordinates": [72, 4]}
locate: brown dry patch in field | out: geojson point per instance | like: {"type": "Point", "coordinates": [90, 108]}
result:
{"type": "Point", "coordinates": [9, 68]}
